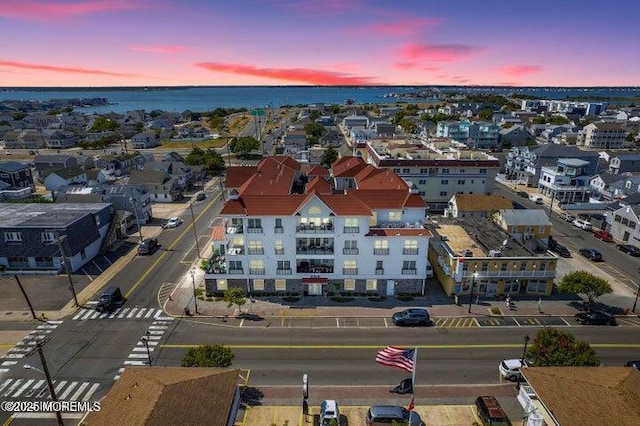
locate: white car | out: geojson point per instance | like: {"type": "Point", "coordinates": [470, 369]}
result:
{"type": "Point", "coordinates": [328, 412]}
{"type": "Point", "coordinates": [582, 224]}
{"type": "Point", "coordinates": [173, 222]}
{"type": "Point", "coordinates": [510, 368]}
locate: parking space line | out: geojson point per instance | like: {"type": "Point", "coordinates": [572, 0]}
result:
{"type": "Point", "coordinates": [97, 266]}
{"type": "Point", "coordinates": [241, 322]}
{"type": "Point", "coordinates": [516, 321]}
{"type": "Point", "coordinates": [386, 324]}
{"type": "Point", "coordinates": [107, 259]}
{"type": "Point", "coordinates": [87, 274]}
{"type": "Point", "coordinates": [338, 322]}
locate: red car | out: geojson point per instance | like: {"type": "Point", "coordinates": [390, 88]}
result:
{"type": "Point", "coordinates": [603, 235]}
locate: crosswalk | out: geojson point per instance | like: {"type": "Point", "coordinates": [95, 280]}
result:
{"type": "Point", "coordinates": [89, 313]}
{"type": "Point", "coordinates": [27, 344]}
{"type": "Point", "coordinates": [66, 390]}
{"type": "Point", "coordinates": [143, 351]}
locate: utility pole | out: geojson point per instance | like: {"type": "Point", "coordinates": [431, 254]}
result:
{"type": "Point", "coordinates": [193, 224]}
{"type": "Point", "coordinates": [49, 382]}
{"type": "Point", "coordinates": [66, 266]}
{"type": "Point", "coordinates": [135, 211]}
{"type": "Point", "coordinates": [24, 293]}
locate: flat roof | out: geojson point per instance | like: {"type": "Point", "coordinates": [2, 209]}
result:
{"type": "Point", "coordinates": [38, 215]}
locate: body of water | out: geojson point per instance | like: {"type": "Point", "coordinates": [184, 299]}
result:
{"type": "Point", "coordinates": [208, 98]}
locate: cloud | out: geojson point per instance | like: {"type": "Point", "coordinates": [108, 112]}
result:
{"type": "Point", "coordinates": [316, 8]}
{"type": "Point", "coordinates": [160, 49]}
{"type": "Point", "coordinates": [53, 10]}
{"type": "Point", "coordinates": [520, 70]}
{"type": "Point", "coordinates": [436, 52]}
{"type": "Point", "coordinates": [72, 70]}
{"type": "Point", "coordinates": [400, 27]}
{"type": "Point", "coordinates": [303, 75]}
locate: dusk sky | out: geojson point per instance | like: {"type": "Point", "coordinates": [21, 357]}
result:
{"type": "Point", "coordinates": [309, 42]}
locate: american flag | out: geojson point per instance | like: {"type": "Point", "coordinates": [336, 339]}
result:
{"type": "Point", "coordinates": [396, 357]}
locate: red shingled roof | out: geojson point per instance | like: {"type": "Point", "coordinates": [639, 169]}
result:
{"type": "Point", "coordinates": [347, 166]}
{"type": "Point", "coordinates": [237, 175]}
{"type": "Point", "coordinates": [318, 170]}
{"type": "Point", "coordinates": [318, 184]}
{"type": "Point", "coordinates": [373, 178]}
{"type": "Point", "coordinates": [387, 198]}
{"type": "Point", "coordinates": [273, 176]}
{"type": "Point", "coordinates": [344, 205]}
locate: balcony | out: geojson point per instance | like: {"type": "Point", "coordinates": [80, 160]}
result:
{"type": "Point", "coordinates": [255, 230]}
{"type": "Point", "coordinates": [278, 230]}
{"type": "Point", "coordinates": [234, 229]}
{"type": "Point", "coordinates": [278, 251]}
{"type": "Point", "coordinates": [350, 271]}
{"type": "Point", "coordinates": [409, 272]}
{"type": "Point", "coordinates": [256, 271]}
{"type": "Point", "coordinates": [324, 228]}
{"type": "Point", "coordinates": [236, 271]}
{"type": "Point", "coordinates": [380, 251]}
{"type": "Point", "coordinates": [235, 251]}
{"type": "Point", "coordinates": [379, 271]}
{"type": "Point", "coordinates": [305, 268]}
{"type": "Point", "coordinates": [351, 230]}
{"type": "Point", "coordinates": [404, 225]}
{"type": "Point", "coordinates": [409, 251]}
{"type": "Point", "coordinates": [314, 250]}
{"type": "Point", "coordinates": [351, 251]}
{"type": "Point", "coordinates": [256, 251]}
{"type": "Point", "coordinates": [511, 274]}
{"type": "Point", "coordinates": [284, 271]}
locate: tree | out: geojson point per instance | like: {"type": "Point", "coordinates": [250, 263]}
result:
{"type": "Point", "coordinates": [408, 125]}
{"type": "Point", "coordinates": [208, 356]}
{"type": "Point", "coordinates": [585, 283]}
{"type": "Point", "coordinates": [313, 129]}
{"type": "Point", "coordinates": [329, 156]}
{"type": "Point", "coordinates": [210, 159]}
{"type": "Point", "coordinates": [557, 348]}
{"type": "Point", "coordinates": [485, 114]}
{"type": "Point", "coordinates": [234, 296]}
{"type": "Point", "coordinates": [243, 146]}
{"type": "Point", "coordinates": [334, 108]}
{"type": "Point", "coordinates": [314, 114]}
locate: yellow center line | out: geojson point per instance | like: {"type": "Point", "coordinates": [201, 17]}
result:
{"type": "Point", "coordinates": [434, 346]}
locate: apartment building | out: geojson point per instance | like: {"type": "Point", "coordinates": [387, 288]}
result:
{"type": "Point", "coordinates": [602, 135]}
{"type": "Point", "coordinates": [358, 229]}
{"type": "Point", "coordinates": [476, 134]}
{"type": "Point", "coordinates": [438, 169]}
{"type": "Point", "coordinates": [567, 182]}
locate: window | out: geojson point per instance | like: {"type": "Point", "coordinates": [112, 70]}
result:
{"type": "Point", "coordinates": [409, 267]}
{"type": "Point", "coordinates": [372, 285]}
{"type": "Point", "coordinates": [444, 181]}
{"type": "Point", "coordinates": [83, 254]}
{"type": "Point", "coordinates": [541, 230]}
{"type": "Point", "coordinates": [535, 286]}
{"type": "Point", "coordinates": [405, 170]}
{"type": "Point", "coordinates": [444, 171]}
{"type": "Point", "coordinates": [254, 225]}
{"type": "Point", "coordinates": [381, 247]}
{"type": "Point", "coordinates": [523, 266]}
{"type": "Point", "coordinates": [283, 265]}
{"type": "Point", "coordinates": [258, 285]}
{"type": "Point", "coordinates": [278, 247]}
{"type": "Point", "coordinates": [281, 285]}
{"type": "Point", "coordinates": [235, 265]}
{"type": "Point", "coordinates": [424, 171]}
{"type": "Point", "coordinates": [48, 237]}
{"type": "Point", "coordinates": [395, 216]}
{"type": "Point", "coordinates": [461, 181]}
{"type": "Point", "coordinates": [484, 267]}
{"type": "Point", "coordinates": [443, 193]}
{"type": "Point", "coordinates": [256, 266]}
{"type": "Point", "coordinates": [410, 247]}
{"type": "Point", "coordinates": [222, 285]}
{"type": "Point", "coordinates": [483, 171]}
{"type": "Point", "coordinates": [351, 225]}
{"type": "Point", "coordinates": [422, 181]}
{"type": "Point", "coordinates": [11, 237]}
{"type": "Point", "coordinates": [349, 285]}
{"type": "Point", "coordinates": [350, 266]}
{"type": "Point", "coordinates": [255, 247]}
{"type": "Point", "coordinates": [461, 171]}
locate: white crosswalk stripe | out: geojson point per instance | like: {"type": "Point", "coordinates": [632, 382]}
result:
{"type": "Point", "coordinates": [87, 314]}
{"type": "Point", "coordinates": [28, 343]}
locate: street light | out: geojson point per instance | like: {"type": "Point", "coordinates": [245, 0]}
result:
{"type": "Point", "coordinates": [145, 342]}
{"type": "Point", "coordinates": [635, 302]}
{"type": "Point", "coordinates": [524, 351]}
{"type": "Point", "coordinates": [45, 371]}
{"type": "Point", "coordinates": [193, 283]}
{"type": "Point", "coordinates": [473, 283]}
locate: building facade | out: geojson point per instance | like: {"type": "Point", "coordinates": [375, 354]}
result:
{"type": "Point", "coordinates": [568, 182]}
{"type": "Point", "coordinates": [475, 134]}
{"type": "Point", "coordinates": [602, 135]}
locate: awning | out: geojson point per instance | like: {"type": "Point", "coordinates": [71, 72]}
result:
{"type": "Point", "coordinates": [315, 280]}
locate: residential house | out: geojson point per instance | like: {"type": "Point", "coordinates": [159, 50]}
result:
{"type": "Point", "coordinates": [580, 396]}
{"type": "Point", "coordinates": [516, 135]}
{"type": "Point", "coordinates": [97, 177]}
{"type": "Point", "coordinates": [384, 128]}
{"type": "Point", "coordinates": [471, 206]}
{"type": "Point", "coordinates": [624, 163]}
{"type": "Point", "coordinates": [121, 164]}
{"type": "Point", "coordinates": [45, 163]}
{"type": "Point", "coordinates": [477, 257]}
{"type": "Point", "coordinates": [144, 140]}
{"type": "Point", "coordinates": [627, 185]}
{"type": "Point", "coordinates": [16, 175]}
{"type": "Point", "coordinates": [525, 225]}
{"type": "Point", "coordinates": [59, 139]}
{"type": "Point", "coordinates": [162, 187]}
{"type": "Point", "coordinates": [58, 178]}
{"type": "Point", "coordinates": [601, 187]}
{"type": "Point", "coordinates": [352, 121]}
{"type": "Point", "coordinates": [158, 396]}
{"type": "Point", "coordinates": [602, 135]}
{"type": "Point", "coordinates": [179, 172]}
{"type": "Point", "coordinates": [567, 182]}
{"type": "Point", "coordinates": [30, 234]}
{"type": "Point", "coordinates": [475, 134]}
{"type": "Point", "coordinates": [295, 140]}
{"type": "Point", "coordinates": [134, 199]}
{"type": "Point", "coordinates": [284, 234]}
{"type": "Point", "coordinates": [625, 226]}
{"type": "Point", "coordinates": [24, 139]}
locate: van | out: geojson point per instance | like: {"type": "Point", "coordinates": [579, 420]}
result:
{"type": "Point", "coordinates": [110, 299]}
{"type": "Point", "coordinates": [490, 411]}
{"type": "Point", "coordinates": [386, 415]}
{"type": "Point", "coordinates": [429, 270]}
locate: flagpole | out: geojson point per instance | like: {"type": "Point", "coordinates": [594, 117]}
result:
{"type": "Point", "coordinates": [413, 376]}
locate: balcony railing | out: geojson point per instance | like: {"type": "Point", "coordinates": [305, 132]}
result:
{"type": "Point", "coordinates": [351, 230]}
{"type": "Point", "coordinates": [234, 251]}
{"type": "Point", "coordinates": [379, 271]}
{"type": "Point", "coordinates": [380, 251]}
{"type": "Point", "coordinates": [324, 228]}
{"type": "Point", "coordinates": [318, 269]}
{"type": "Point", "coordinates": [350, 271]}
{"type": "Point", "coordinates": [351, 251]}
{"type": "Point", "coordinates": [233, 229]}
{"type": "Point", "coordinates": [255, 230]}
{"type": "Point", "coordinates": [236, 271]}
{"type": "Point", "coordinates": [256, 271]}
{"type": "Point", "coordinates": [511, 274]}
{"type": "Point", "coordinates": [256, 251]}
{"type": "Point", "coordinates": [314, 250]}
{"type": "Point", "coordinates": [409, 272]}
{"type": "Point", "coordinates": [278, 230]}
{"type": "Point", "coordinates": [406, 225]}
{"type": "Point", "coordinates": [284, 271]}
{"type": "Point", "coordinates": [409, 251]}
{"type": "Point", "coordinates": [278, 251]}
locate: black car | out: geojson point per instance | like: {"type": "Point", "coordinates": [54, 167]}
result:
{"type": "Point", "coordinates": [629, 249]}
{"type": "Point", "coordinates": [147, 246]}
{"type": "Point", "coordinates": [635, 364]}
{"type": "Point", "coordinates": [523, 194]}
{"type": "Point", "coordinates": [200, 196]}
{"type": "Point", "coordinates": [110, 300]}
{"type": "Point", "coordinates": [558, 248]}
{"type": "Point", "coordinates": [595, 317]}
{"type": "Point", "coordinates": [592, 254]}
{"type": "Point", "coordinates": [412, 316]}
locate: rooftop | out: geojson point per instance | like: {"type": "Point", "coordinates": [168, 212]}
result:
{"type": "Point", "coordinates": [38, 215]}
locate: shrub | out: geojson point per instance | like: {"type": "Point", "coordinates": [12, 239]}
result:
{"type": "Point", "coordinates": [496, 311]}
{"type": "Point", "coordinates": [342, 299]}
{"type": "Point", "coordinates": [404, 297]}
{"type": "Point", "coordinates": [209, 299]}
{"type": "Point", "coordinates": [291, 299]}
{"type": "Point", "coordinates": [377, 298]}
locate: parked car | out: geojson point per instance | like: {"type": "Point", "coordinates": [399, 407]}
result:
{"type": "Point", "coordinates": [510, 368]}
{"type": "Point", "coordinates": [582, 224]}
{"type": "Point", "coordinates": [567, 216]}
{"type": "Point", "coordinates": [523, 194]}
{"type": "Point", "coordinates": [595, 317]}
{"type": "Point", "coordinates": [173, 222]}
{"type": "Point", "coordinates": [536, 198]}
{"type": "Point", "coordinates": [635, 364]}
{"type": "Point", "coordinates": [592, 254]}
{"type": "Point", "coordinates": [629, 249]}
{"type": "Point", "coordinates": [411, 316]}
{"type": "Point", "coordinates": [490, 412]}
{"type": "Point", "coordinates": [147, 246]}
{"type": "Point", "coordinates": [328, 412]}
{"type": "Point", "coordinates": [201, 196]}
{"type": "Point", "coordinates": [603, 235]}
{"type": "Point", "coordinates": [558, 248]}
{"type": "Point", "coordinates": [385, 415]}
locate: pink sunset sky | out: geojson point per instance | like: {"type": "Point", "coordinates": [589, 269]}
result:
{"type": "Point", "coordinates": [308, 42]}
